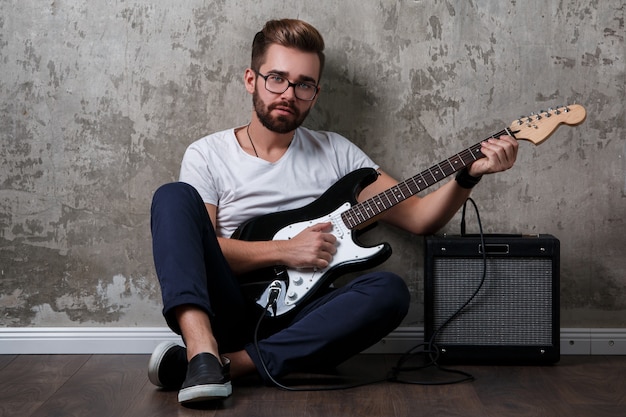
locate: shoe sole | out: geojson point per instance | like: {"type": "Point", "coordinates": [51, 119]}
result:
{"type": "Point", "coordinates": [206, 392]}
{"type": "Point", "coordinates": [155, 361]}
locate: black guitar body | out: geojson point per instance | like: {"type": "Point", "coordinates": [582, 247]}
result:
{"type": "Point", "coordinates": [296, 286]}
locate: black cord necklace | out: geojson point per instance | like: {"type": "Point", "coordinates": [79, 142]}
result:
{"type": "Point", "coordinates": [251, 143]}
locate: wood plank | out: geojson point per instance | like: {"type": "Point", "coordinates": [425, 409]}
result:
{"type": "Point", "coordinates": [589, 385]}
{"type": "Point", "coordinates": [156, 402]}
{"type": "Point", "coordinates": [106, 385]}
{"type": "Point", "coordinates": [604, 380]}
{"type": "Point", "coordinates": [618, 363]}
{"type": "Point", "coordinates": [5, 360]}
{"type": "Point", "coordinates": [364, 400]}
{"type": "Point", "coordinates": [27, 381]}
{"type": "Point", "coordinates": [117, 385]}
{"type": "Point", "coordinates": [516, 390]}
{"type": "Point", "coordinates": [434, 395]}
{"type": "Point", "coordinates": [575, 386]}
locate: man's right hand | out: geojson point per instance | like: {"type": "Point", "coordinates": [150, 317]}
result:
{"type": "Point", "coordinates": [313, 247]}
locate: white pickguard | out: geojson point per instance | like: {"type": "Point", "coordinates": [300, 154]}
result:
{"type": "Point", "coordinates": [301, 281]}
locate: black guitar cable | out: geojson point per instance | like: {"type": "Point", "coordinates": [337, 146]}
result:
{"type": "Point", "coordinates": [430, 347]}
{"type": "Point", "coordinates": [271, 304]}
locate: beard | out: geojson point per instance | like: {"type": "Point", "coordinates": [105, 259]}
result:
{"type": "Point", "coordinates": [279, 124]}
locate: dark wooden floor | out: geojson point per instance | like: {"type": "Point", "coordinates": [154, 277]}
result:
{"type": "Point", "coordinates": [117, 386]}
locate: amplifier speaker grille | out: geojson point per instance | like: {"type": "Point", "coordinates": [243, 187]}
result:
{"type": "Point", "coordinates": [515, 315]}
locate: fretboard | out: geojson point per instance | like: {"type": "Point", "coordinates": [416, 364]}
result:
{"type": "Point", "coordinates": [365, 211]}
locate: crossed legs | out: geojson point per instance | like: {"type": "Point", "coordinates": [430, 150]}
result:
{"type": "Point", "coordinates": [203, 302]}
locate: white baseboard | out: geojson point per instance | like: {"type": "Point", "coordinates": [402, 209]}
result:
{"type": "Point", "coordinates": [573, 341]}
{"type": "Point", "coordinates": [83, 340]}
{"type": "Point", "coordinates": [593, 341]}
{"type": "Point", "coordinates": [142, 340]}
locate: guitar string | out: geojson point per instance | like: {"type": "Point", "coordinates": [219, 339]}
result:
{"type": "Point", "coordinates": [405, 188]}
{"type": "Point", "coordinates": [348, 219]}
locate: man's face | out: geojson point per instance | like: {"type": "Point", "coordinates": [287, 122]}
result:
{"type": "Point", "coordinates": [283, 113]}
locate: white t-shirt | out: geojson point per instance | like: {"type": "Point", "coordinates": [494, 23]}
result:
{"type": "Point", "coordinates": [243, 186]}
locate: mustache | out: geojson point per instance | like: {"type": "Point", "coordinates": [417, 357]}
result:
{"type": "Point", "coordinates": [284, 104]}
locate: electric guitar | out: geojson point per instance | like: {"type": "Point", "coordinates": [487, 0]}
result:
{"type": "Point", "coordinates": [286, 288]}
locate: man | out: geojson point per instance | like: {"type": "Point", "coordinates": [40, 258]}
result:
{"type": "Point", "coordinates": [269, 165]}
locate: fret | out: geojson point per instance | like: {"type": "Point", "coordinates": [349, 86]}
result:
{"type": "Point", "coordinates": [458, 158]}
{"type": "Point", "coordinates": [415, 185]}
{"type": "Point", "coordinates": [431, 174]}
{"type": "Point", "coordinates": [389, 194]}
{"type": "Point", "coordinates": [364, 210]}
{"type": "Point", "coordinates": [388, 199]}
{"type": "Point", "coordinates": [450, 163]}
{"type": "Point", "coordinates": [404, 185]}
{"type": "Point", "coordinates": [422, 181]}
{"type": "Point", "coordinates": [404, 196]}
{"type": "Point", "coordinates": [447, 169]}
{"type": "Point", "coordinates": [380, 204]}
{"type": "Point", "coordinates": [440, 173]}
{"type": "Point", "coordinates": [477, 152]}
{"type": "Point", "coordinates": [347, 219]}
{"type": "Point", "coordinates": [370, 208]}
{"type": "Point", "coordinates": [399, 197]}
{"type": "Point", "coordinates": [358, 218]}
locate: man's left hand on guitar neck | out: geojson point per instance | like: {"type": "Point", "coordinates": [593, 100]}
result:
{"type": "Point", "coordinates": [427, 214]}
{"type": "Point", "coordinates": [500, 155]}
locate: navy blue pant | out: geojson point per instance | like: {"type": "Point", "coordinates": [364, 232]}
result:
{"type": "Point", "coordinates": [328, 330]}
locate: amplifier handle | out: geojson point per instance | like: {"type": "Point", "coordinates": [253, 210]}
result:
{"type": "Point", "coordinates": [494, 248]}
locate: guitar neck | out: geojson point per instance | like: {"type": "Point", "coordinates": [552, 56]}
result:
{"type": "Point", "coordinates": [362, 213]}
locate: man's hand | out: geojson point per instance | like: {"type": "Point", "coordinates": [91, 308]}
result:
{"type": "Point", "coordinates": [314, 247]}
{"type": "Point", "coordinates": [500, 155]}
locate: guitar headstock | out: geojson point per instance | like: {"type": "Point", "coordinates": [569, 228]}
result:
{"type": "Point", "coordinates": [536, 128]}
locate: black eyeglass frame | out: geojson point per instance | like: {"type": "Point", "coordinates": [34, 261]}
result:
{"type": "Point", "coordinates": [289, 84]}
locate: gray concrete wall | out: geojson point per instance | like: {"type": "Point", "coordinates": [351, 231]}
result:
{"type": "Point", "coordinates": [99, 99]}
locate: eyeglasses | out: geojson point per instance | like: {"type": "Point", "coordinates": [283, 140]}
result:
{"type": "Point", "coordinates": [277, 84]}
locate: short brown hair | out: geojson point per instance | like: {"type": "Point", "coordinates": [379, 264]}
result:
{"type": "Point", "coordinates": [291, 33]}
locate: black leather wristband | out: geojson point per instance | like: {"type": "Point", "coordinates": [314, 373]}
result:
{"type": "Point", "coordinates": [465, 180]}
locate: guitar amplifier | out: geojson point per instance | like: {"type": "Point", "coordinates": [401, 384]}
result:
{"type": "Point", "coordinates": [514, 316]}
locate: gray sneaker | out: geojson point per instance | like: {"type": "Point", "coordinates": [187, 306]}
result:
{"type": "Point", "coordinates": [168, 366]}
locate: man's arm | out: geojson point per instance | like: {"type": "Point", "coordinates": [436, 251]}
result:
{"type": "Point", "coordinates": [313, 247]}
{"type": "Point", "coordinates": [428, 214]}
